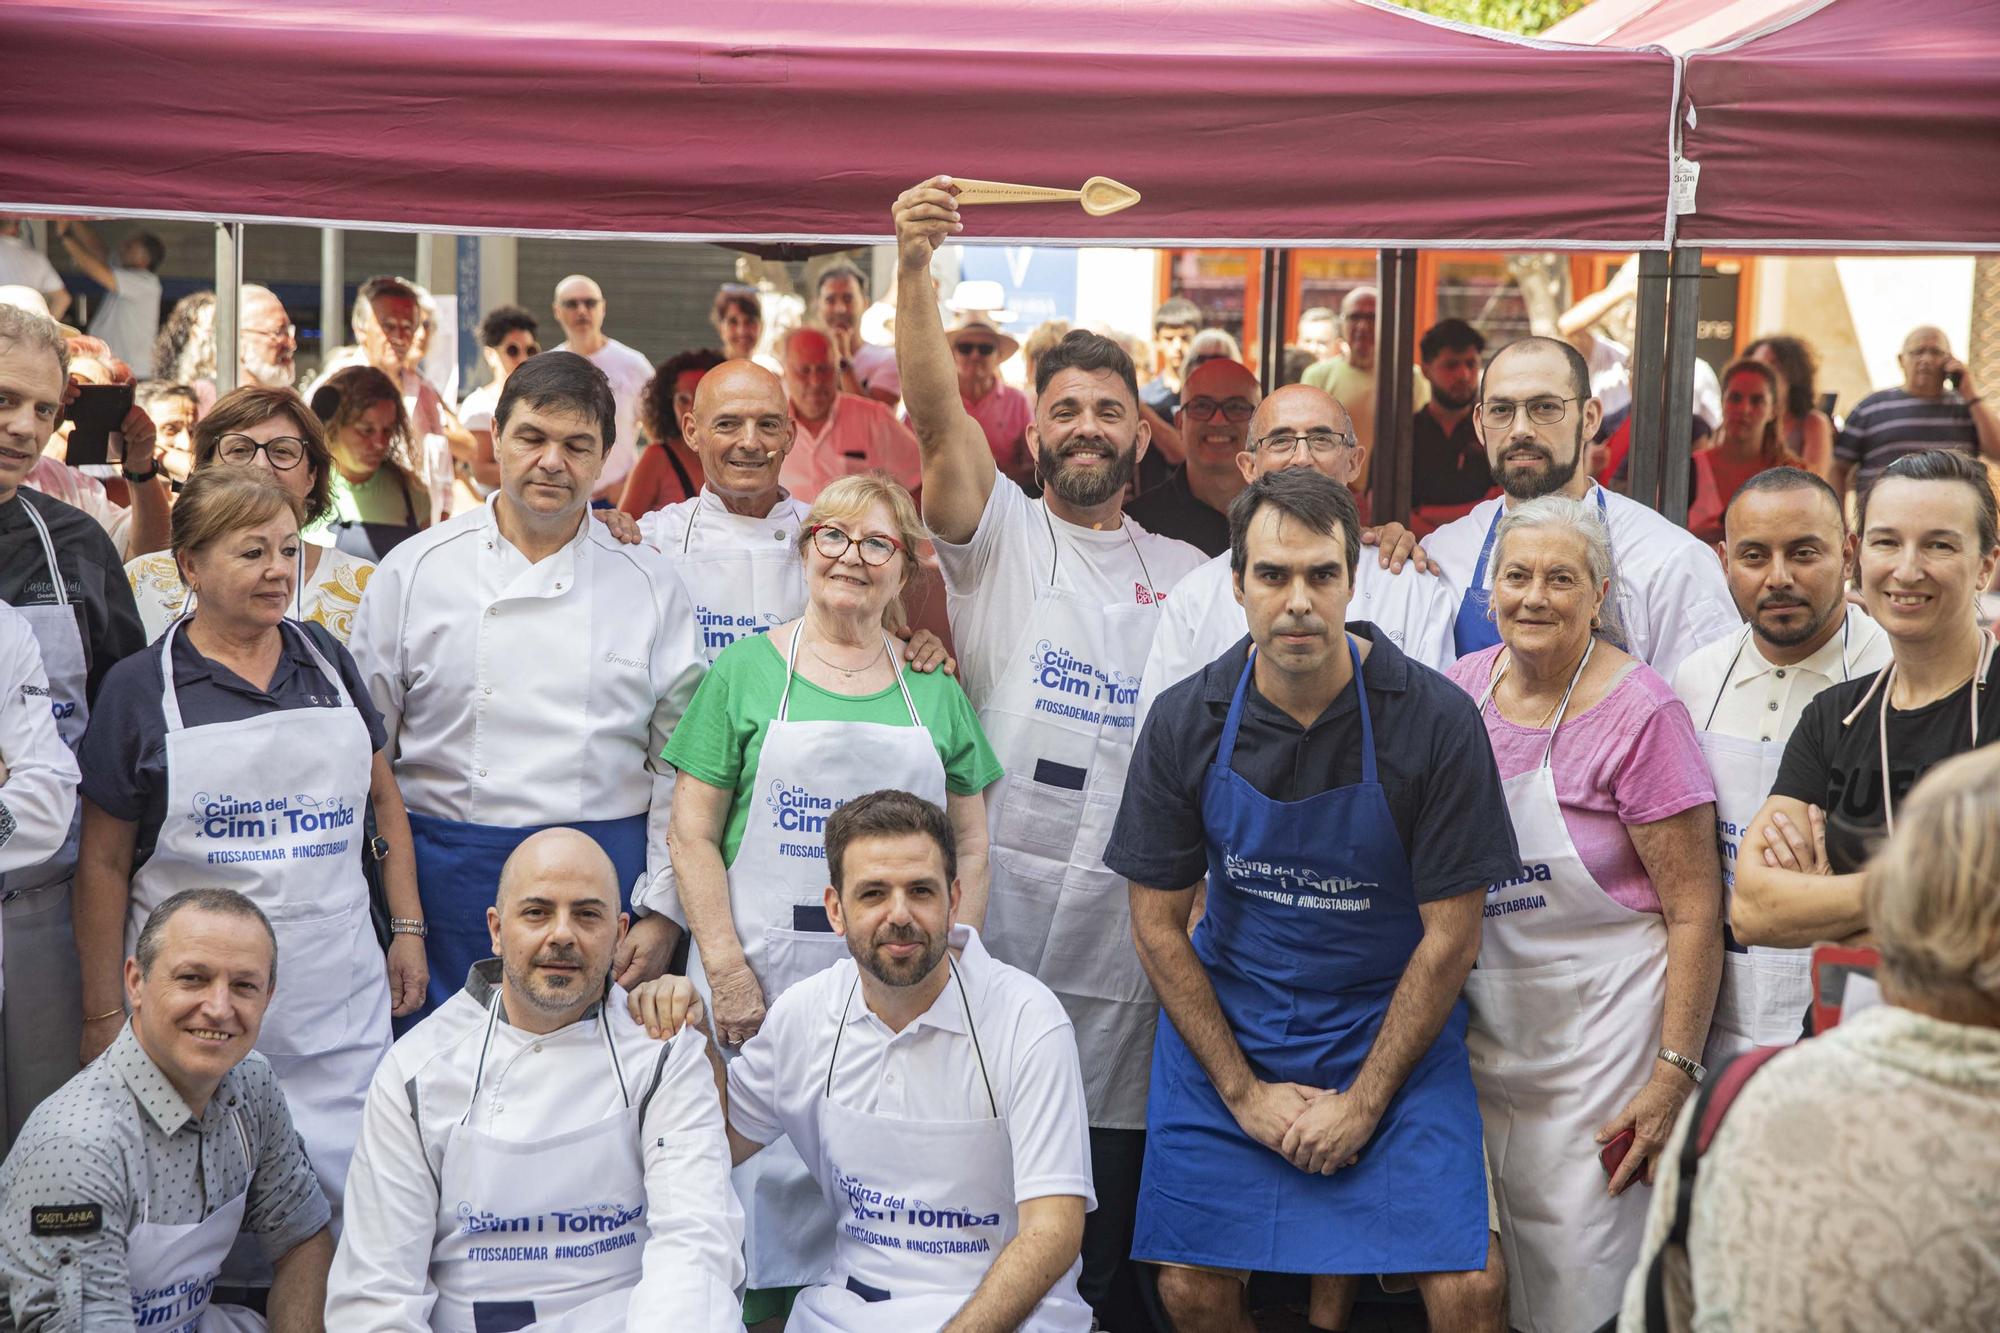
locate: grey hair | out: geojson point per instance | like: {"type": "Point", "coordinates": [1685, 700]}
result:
{"type": "Point", "coordinates": [25, 326]}
{"type": "Point", "coordinates": [226, 902]}
{"type": "Point", "coordinates": [1559, 511]}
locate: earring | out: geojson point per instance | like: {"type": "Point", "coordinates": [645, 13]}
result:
{"type": "Point", "coordinates": [1596, 623]}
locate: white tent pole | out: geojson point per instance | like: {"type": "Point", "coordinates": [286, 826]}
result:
{"type": "Point", "coordinates": [332, 291]}
{"type": "Point", "coordinates": [228, 305]}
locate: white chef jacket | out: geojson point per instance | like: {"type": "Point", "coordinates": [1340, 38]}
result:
{"type": "Point", "coordinates": [1669, 584]}
{"type": "Point", "coordinates": [928, 1071]}
{"type": "Point", "coordinates": [38, 797]}
{"type": "Point", "coordinates": [1752, 699]}
{"type": "Point", "coordinates": [537, 1087]}
{"type": "Point", "coordinates": [628, 370]}
{"type": "Point", "coordinates": [727, 609]}
{"type": "Point", "coordinates": [1203, 620]}
{"type": "Point", "coordinates": [520, 694]}
{"type": "Point", "coordinates": [991, 581]}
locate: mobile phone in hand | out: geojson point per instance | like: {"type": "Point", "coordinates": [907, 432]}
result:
{"type": "Point", "coordinates": [96, 419]}
{"type": "Point", "coordinates": [1612, 1153]}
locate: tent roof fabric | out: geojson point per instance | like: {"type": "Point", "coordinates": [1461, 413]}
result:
{"type": "Point", "coordinates": [1324, 122]}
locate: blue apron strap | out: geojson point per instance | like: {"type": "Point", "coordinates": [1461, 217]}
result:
{"type": "Point", "coordinates": [1486, 550]}
{"type": "Point", "coordinates": [1225, 749]}
{"type": "Point", "coordinates": [1367, 723]}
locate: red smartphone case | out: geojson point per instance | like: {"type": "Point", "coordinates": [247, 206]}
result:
{"type": "Point", "coordinates": [1612, 1153]}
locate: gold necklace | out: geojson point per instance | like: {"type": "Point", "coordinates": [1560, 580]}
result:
{"type": "Point", "coordinates": [880, 648]}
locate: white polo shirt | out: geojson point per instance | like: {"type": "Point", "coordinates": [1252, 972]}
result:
{"type": "Point", "coordinates": [931, 1070]}
{"type": "Point", "coordinates": [1732, 689]}
{"type": "Point", "coordinates": [1203, 620]}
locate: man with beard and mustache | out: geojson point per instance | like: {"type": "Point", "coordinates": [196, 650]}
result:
{"type": "Point", "coordinates": [1787, 553]}
{"type": "Point", "coordinates": [1312, 1107]}
{"type": "Point", "coordinates": [1536, 415]}
{"type": "Point", "coordinates": [530, 1155]}
{"type": "Point", "coordinates": [1448, 470]}
{"type": "Point", "coordinates": [933, 1091]}
{"type": "Point", "coordinates": [1053, 605]}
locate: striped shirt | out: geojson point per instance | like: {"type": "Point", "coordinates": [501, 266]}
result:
{"type": "Point", "coordinates": [1885, 426]}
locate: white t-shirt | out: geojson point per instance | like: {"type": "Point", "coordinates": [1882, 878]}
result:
{"type": "Point", "coordinates": [476, 411]}
{"type": "Point", "coordinates": [1762, 702]}
{"type": "Point", "coordinates": [991, 580]}
{"type": "Point", "coordinates": [628, 372]}
{"type": "Point", "coordinates": [1669, 585]}
{"type": "Point", "coordinates": [931, 1070]}
{"type": "Point", "coordinates": [21, 265]}
{"type": "Point", "coordinates": [129, 317]}
{"type": "Point", "coordinates": [1203, 620]}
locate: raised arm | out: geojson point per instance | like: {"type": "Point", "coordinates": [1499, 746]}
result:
{"type": "Point", "coordinates": [959, 472]}
{"type": "Point", "coordinates": [87, 252]}
{"type": "Point", "coordinates": [1265, 1111]}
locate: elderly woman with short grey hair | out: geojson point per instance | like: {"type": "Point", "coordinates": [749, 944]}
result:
{"type": "Point", "coordinates": [1599, 960]}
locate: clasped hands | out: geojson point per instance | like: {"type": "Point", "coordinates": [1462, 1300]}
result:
{"type": "Point", "coordinates": [1317, 1130]}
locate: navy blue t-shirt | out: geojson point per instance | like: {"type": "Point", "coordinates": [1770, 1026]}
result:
{"type": "Point", "coordinates": [124, 750]}
{"type": "Point", "coordinates": [1432, 758]}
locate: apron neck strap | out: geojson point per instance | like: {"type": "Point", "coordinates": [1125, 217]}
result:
{"type": "Point", "coordinates": [1505, 660]}
{"type": "Point", "coordinates": [792, 667]}
{"type": "Point", "coordinates": [973, 1028]}
{"type": "Point", "coordinates": [1225, 749]}
{"type": "Point", "coordinates": [48, 553]}
{"type": "Point", "coordinates": [170, 704]}
{"type": "Point", "coordinates": [1987, 644]}
{"type": "Point", "coordinates": [1727, 672]}
{"type": "Point", "coordinates": [1055, 548]}
{"type": "Point", "coordinates": [493, 1007]}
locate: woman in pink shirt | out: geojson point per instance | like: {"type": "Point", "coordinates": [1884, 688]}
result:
{"type": "Point", "coordinates": [1598, 963]}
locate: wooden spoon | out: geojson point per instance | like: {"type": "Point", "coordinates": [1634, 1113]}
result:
{"type": "Point", "coordinates": [1100, 194]}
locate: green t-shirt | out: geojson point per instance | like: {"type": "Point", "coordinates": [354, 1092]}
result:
{"type": "Point", "coordinates": [387, 497]}
{"type": "Point", "coordinates": [722, 732]}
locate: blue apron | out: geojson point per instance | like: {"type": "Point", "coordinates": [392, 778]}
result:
{"type": "Point", "coordinates": [1304, 989]}
{"type": "Point", "coordinates": [458, 870]}
{"type": "Point", "coordinates": [1474, 628]}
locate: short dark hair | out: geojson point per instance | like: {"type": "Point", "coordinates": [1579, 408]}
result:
{"type": "Point", "coordinates": [1080, 349]}
{"type": "Point", "coordinates": [887, 814]}
{"type": "Point", "coordinates": [656, 400]}
{"type": "Point", "coordinates": [147, 392]}
{"type": "Point", "coordinates": [503, 320]}
{"type": "Point", "coordinates": [1579, 369]}
{"type": "Point", "coordinates": [1177, 313]}
{"type": "Point", "coordinates": [737, 294]}
{"type": "Point", "coordinates": [224, 902]}
{"type": "Point", "coordinates": [561, 380]}
{"type": "Point", "coordinates": [253, 404]}
{"type": "Point", "coordinates": [1776, 479]}
{"type": "Point", "coordinates": [155, 248]}
{"type": "Point", "coordinates": [840, 268]}
{"type": "Point", "coordinates": [1449, 335]}
{"type": "Point", "coordinates": [1943, 465]}
{"type": "Point", "coordinates": [1308, 495]}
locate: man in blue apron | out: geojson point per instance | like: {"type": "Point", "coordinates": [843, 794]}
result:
{"type": "Point", "coordinates": [60, 571]}
{"type": "Point", "coordinates": [530, 668]}
{"type": "Point", "coordinates": [1787, 554]}
{"type": "Point", "coordinates": [130, 1184]}
{"type": "Point", "coordinates": [1312, 1106]}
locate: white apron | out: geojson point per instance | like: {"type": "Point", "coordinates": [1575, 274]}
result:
{"type": "Point", "coordinates": [172, 1269]}
{"type": "Point", "coordinates": [805, 771]}
{"type": "Point", "coordinates": [44, 1026]}
{"type": "Point", "coordinates": [924, 1208]}
{"type": "Point", "coordinates": [545, 1234]}
{"type": "Point", "coordinates": [1566, 1003]}
{"type": "Point", "coordinates": [740, 590]}
{"type": "Point", "coordinates": [272, 806]}
{"type": "Point", "coordinates": [1061, 719]}
{"type": "Point", "coordinates": [1765, 992]}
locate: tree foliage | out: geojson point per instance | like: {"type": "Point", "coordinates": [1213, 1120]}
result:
{"type": "Point", "coordinates": [1526, 17]}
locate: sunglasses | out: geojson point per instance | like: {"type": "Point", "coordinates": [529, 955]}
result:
{"type": "Point", "coordinates": [581, 303]}
{"type": "Point", "coordinates": [509, 349]}
{"type": "Point", "coordinates": [975, 349]}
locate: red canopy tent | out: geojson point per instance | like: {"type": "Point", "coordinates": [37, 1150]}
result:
{"type": "Point", "coordinates": [1288, 122]}
{"type": "Point", "coordinates": [1829, 124]}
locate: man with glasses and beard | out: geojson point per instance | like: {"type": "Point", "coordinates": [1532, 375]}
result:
{"type": "Point", "coordinates": [1053, 605]}
{"type": "Point", "coordinates": [1535, 415]}
{"type": "Point", "coordinates": [933, 1091]}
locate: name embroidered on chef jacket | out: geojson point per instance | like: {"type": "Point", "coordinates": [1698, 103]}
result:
{"type": "Point", "coordinates": [66, 1219]}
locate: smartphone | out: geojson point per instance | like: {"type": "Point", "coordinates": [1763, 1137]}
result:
{"type": "Point", "coordinates": [1951, 378]}
{"type": "Point", "coordinates": [96, 418]}
{"type": "Point", "coordinates": [1612, 1153]}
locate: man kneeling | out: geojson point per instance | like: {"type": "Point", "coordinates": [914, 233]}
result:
{"type": "Point", "coordinates": [129, 1185]}
{"type": "Point", "coordinates": [936, 1101]}
{"type": "Point", "coordinates": [529, 1157]}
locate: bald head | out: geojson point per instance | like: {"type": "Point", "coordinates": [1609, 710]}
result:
{"type": "Point", "coordinates": [812, 373]}
{"type": "Point", "coordinates": [578, 284]}
{"type": "Point", "coordinates": [1222, 379]}
{"type": "Point", "coordinates": [1301, 408]}
{"type": "Point", "coordinates": [1926, 358]}
{"type": "Point", "coordinates": [559, 858]}
{"type": "Point", "coordinates": [1309, 415]}
{"type": "Point", "coordinates": [742, 429]}
{"type": "Point", "coordinates": [579, 307]}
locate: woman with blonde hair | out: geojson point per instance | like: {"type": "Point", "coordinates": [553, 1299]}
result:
{"type": "Point", "coordinates": [1855, 1181]}
{"type": "Point", "coordinates": [786, 727]}
{"type": "Point", "coordinates": [380, 500]}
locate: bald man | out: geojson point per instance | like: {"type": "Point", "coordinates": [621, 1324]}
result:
{"type": "Point", "coordinates": [579, 307]}
{"type": "Point", "coordinates": [1192, 504]}
{"type": "Point", "coordinates": [1298, 426]}
{"type": "Point", "coordinates": [838, 434]}
{"type": "Point", "coordinates": [529, 1157]}
{"type": "Point", "coordinates": [1937, 406]}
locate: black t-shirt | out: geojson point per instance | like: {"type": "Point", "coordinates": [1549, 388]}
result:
{"type": "Point", "coordinates": [1173, 510]}
{"type": "Point", "coordinates": [1839, 768]}
{"type": "Point", "coordinates": [1447, 470]}
{"type": "Point", "coordinates": [1432, 758]}
{"type": "Point", "coordinates": [92, 571]}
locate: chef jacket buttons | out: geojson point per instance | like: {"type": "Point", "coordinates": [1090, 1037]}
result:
{"type": "Point", "coordinates": [1773, 705]}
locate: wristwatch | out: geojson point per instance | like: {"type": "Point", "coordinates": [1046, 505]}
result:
{"type": "Point", "coordinates": [403, 925]}
{"type": "Point", "coordinates": [1691, 1068]}
{"type": "Point", "coordinates": [147, 475]}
